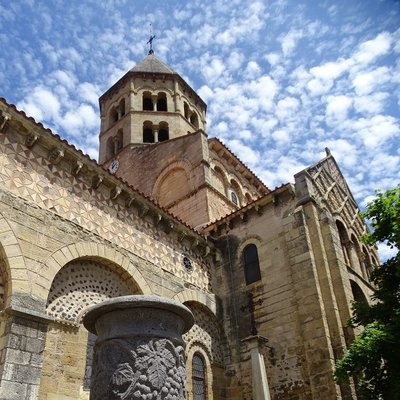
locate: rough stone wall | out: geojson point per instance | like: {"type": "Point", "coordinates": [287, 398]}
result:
{"type": "Point", "coordinates": [295, 302]}
{"type": "Point", "coordinates": [21, 357]}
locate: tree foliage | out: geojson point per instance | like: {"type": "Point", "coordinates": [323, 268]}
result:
{"type": "Point", "coordinates": [374, 357]}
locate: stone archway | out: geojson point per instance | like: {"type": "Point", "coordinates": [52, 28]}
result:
{"type": "Point", "coordinates": [79, 284]}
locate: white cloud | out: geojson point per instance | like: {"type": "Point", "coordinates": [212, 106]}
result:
{"type": "Point", "coordinates": [80, 119]}
{"type": "Point", "coordinates": [338, 107]}
{"type": "Point", "coordinates": [41, 104]}
{"type": "Point", "coordinates": [375, 131]}
{"type": "Point", "coordinates": [289, 41]}
{"type": "Point", "coordinates": [371, 104]}
{"type": "Point", "coordinates": [365, 82]}
{"type": "Point", "coordinates": [371, 49]}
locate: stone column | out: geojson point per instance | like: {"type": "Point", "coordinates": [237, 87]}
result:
{"type": "Point", "coordinates": [258, 372]}
{"type": "Point", "coordinates": [23, 336]}
{"type": "Point", "coordinates": [139, 352]}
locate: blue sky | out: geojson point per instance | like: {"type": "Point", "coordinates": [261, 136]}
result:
{"type": "Point", "coordinates": [282, 79]}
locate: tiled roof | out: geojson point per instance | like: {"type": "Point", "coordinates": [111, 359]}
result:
{"type": "Point", "coordinates": [151, 64]}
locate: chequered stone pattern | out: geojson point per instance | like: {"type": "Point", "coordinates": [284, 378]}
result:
{"type": "Point", "coordinates": [81, 284]}
{"type": "Point", "coordinates": [205, 332]}
{"type": "Point", "coordinates": [49, 186]}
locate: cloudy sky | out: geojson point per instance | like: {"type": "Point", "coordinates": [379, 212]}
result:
{"type": "Point", "coordinates": [282, 79]}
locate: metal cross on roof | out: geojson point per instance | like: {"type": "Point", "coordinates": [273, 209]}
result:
{"type": "Point", "coordinates": [150, 41]}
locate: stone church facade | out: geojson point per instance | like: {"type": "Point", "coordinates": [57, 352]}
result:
{"type": "Point", "coordinates": [169, 211]}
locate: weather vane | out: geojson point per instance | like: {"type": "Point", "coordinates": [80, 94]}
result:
{"type": "Point", "coordinates": [150, 41]}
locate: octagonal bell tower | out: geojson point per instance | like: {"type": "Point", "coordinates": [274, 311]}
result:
{"type": "Point", "coordinates": [151, 103]}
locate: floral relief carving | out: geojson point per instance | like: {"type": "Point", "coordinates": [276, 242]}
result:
{"type": "Point", "coordinates": [139, 369]}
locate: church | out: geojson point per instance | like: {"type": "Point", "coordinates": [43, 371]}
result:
{"type": "Point", "coordinates": [167, 210]}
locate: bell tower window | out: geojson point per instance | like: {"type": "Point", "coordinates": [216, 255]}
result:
{"type": "Point", "coordinates": [186, 110]}
{"type": "Point", "coordinates": [122, 108]}
{"type": "Point", "coordinates": [162, 102]}
{"type": "Point", "coordinates": [148, 135]}
{"type": "Point", "coordinates": [147, 102]}
{"type": "Point", "coordinates": [163, 133]}
{"type": "Point", "coordinates": [194, 120]}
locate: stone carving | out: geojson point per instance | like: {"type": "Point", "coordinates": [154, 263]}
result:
{"type": "Point", "coordinates": [139, 369]}
{"type": "Point", "coordinates": [139, 352]}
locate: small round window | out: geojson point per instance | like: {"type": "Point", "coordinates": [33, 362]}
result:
{"type": "Point", "coordinates": [187, 264]}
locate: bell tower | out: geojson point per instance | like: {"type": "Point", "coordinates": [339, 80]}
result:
{"type": "Point", "coordinates": [151, 103]}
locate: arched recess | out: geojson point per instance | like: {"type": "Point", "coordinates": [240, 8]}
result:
{"type": "Point", "coordinates": [148, 134]}
{"type": "Point", "coordinates": [344, 241]}
{"type": "Point", "coordinates": [173, 183]}
{"type": "Point", "coordinates": [84, 274]}
{"type": "Point", "coordinates": [162, 102]}
{"type": "Point", "coordinates": [358, 294]}
{"type": "Point", "coordinates": [147, 102]}
{"type": "Point", "coordinates": [199, 349]}
{"type": "Point", "coordinates": [236, 195]}
{"type": "Point", "coordinates": [94, 251]}
{"type": "Point", "coordinates": [207, 337]}
{"type": "Point", "coordinates": [220, 181]}
{"type": "Point", "coordinates": [163, 132]}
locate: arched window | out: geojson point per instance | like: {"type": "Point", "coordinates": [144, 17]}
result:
{"type": "Point", "coordinates": [236, 196]}
{"type": "Point", "coordinates": [110, 147]}
{"type": "Point", "coordinates": [162, 102]}
{"type": "Point", "coordinates": [251, 264]}
{"type": "Point", "coordinates": [113, 116]}
{"type": "Point", "coordinates": [234, 199]}
{"type": "Point", "coordinates": [122, 107]}
{"type": "Point", "coordinates": [148, 135]}
{"type": "Point", "coordinates": [344, 241]}
{"type": "Point", "coordinates": [186, 110]}
{"type": "Point", "coordinates": [194, 120]}
{"type": "Point", "coordinates": [163, 133]}
{"type": "Point", "coordinates": [147, 102]}
{"type": "Point", "coordinates": [119, 141]}
{"type": "Point", "coordinates": [198, 377]}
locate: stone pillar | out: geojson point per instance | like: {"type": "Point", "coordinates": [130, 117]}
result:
{"type": "Point", "coordinates": [23, 336]}
{"type": "Point", "coordinates": [139, 352]}
{"type": "Point", "coordinates": [258, 371]}
{"type": "Point", "coordinates": [155, 133]}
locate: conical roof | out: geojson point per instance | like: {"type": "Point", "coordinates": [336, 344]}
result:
{"type": "Point", "coordinates": [151, 64]}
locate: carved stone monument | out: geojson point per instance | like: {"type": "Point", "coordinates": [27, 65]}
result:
{"type": "Point", "coordinates": [139, 352]}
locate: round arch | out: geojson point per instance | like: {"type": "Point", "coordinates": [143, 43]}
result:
{"type": "Point", "coordinates": [182, 164]}
{"type": "Point", "coordinates": [94, 251]}
{"type": "Point", "coordinates": [206, 300]}
{"type": "Point", "coordinates": [199, 348]}
{"type": "Point", "coordinates": [252, 239]}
